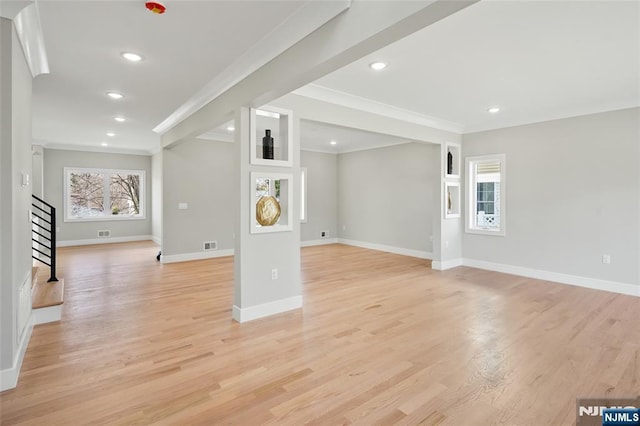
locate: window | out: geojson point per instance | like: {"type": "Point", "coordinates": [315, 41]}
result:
{"type": "Point", "coordinates": [272, 205]}
{"type": "Point", "coordinates": [103, 194]}
{"type": "Point", "coordinates": [486, 194]}
{"type": "Point", "coordinates": [303, 194]}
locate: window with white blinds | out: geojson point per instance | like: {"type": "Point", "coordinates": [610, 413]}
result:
{"type": "Point", "coordinates": [485, 194]}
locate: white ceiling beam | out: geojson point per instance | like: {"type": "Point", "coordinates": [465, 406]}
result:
{"type": "Point", "coordinates": [300, 24]}
{"type": "Point", "coordinates": [366, 27]}
{"type": "Point", "coordinates": [355, 118]}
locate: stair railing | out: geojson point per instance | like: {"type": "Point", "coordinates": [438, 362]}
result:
{"type": "Point", "coordinates": [43, 217]}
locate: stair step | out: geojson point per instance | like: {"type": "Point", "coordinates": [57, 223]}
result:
{"type": "Point", "coordinates": [48, 294]}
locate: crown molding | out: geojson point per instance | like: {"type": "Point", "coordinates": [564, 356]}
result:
{"type": "Point", "coordinates": [297, 26]}
{"type": "Point", "coordinates": [29, 30]}
{"type": "Point", "coordinates": [9, 9]}
{"type": "Point", "coordinates": [336, 97]}
{"type": "Point", "coordinates": [97, 149]}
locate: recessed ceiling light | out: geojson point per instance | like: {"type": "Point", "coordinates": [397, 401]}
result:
{"type": "Point", "coordinates": [230, 128]}
{"type": "Point", "coordinates": [377, 66]}
{"type": "Point", "coordinates": [120, 119]}
{"type": "Point", "coordinates": [115, 95]}
{"type": "Point", "coordinates": [333, 142]}
{"type": "Point", "coordinates": [494, 110]}
{"type": "Point", "coordinates": [130, 56]}
{"type": "Point", "coordinates": [104, 144]}
{"type": "Point", "coordinates": [111, 134]}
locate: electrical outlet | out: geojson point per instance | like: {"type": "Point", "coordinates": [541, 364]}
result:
{"type": "Point", "coordinates": [606, 259]}
{"type": "Point", "coordinates": [274, 274]}
{"type": "Point", "coordinates": [183, 206]}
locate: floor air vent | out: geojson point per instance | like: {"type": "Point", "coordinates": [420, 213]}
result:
{"type": "Point", "coordinates": [210, 245]}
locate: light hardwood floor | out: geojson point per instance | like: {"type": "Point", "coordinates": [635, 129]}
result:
{"type": "Point", "coordinates": [382, 339]}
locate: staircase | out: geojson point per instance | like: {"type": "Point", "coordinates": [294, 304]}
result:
{"type": "Point", "coordinates": [46, 294]}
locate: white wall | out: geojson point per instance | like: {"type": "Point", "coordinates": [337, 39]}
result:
{"type": "Point", "coordinates": [37, 171]}
{"type": "Point", "coordinates": [75, 232]}
{"type": "Point", "coordinates": [322, 195]}
{"type": "Point", "coordinates": [202, 174]}
{"type": "Point", "coordinates": [390, 196]}
{"type": "Point", "coordinates": [156, 197]}
{"type": "Point", "coordinates": [572, 195]}
{"type": "Point", "coordinates": [15, 219]}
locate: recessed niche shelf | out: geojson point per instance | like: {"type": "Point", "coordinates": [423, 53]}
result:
{"type": "Point", "coordinates": [452, 160]}
{"type": "Point", "coordinates": [271, 136]}
{"type": "Point", "coordinates": [451, 200]}
{"type": "Point", "coordinates": [271, 192]}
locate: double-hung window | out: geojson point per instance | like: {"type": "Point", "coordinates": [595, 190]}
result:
{"type": "Point", "coordinates": [103, 194]}
{"type": "Point", "coordinates": [486, 194]}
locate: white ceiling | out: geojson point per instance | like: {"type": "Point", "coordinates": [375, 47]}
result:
{"type": "Point", "coordinates": [316, 136]}
{"type": "Point", "coordinates": [183, 50]}
{"type": "Point", "coordinates": [536, 60]}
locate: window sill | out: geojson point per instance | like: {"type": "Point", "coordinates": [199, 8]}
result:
{"type": "Point", "coordinates": [480, 231]}
{"type": "Point", "coordinates": [114, 218]}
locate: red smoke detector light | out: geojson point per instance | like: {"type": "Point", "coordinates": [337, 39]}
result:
{"type": "Point", "coordinates": [155, 7]}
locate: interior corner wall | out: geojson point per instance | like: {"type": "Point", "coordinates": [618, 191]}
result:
{"type": "Point", "coordinates": [75, 232]}
{"type": "Point", "coordinates": [198, 173]}
{"type": "Point", "coordinates": [15, 160]}
{"type": "Point", "coordinates": [156, 197]}
{"type": "Point", "coordinates": [389, 196]}
{"type": "Point", "coordinates": [322, 195]}
{"type": "Point", "coordinates": [573, 194]}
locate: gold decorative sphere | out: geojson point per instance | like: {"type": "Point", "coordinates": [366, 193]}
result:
{"type": "Point", "coordinates": [267, 211]}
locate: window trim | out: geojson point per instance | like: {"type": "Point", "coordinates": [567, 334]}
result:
{"type": "Point", "coordinates": [66, 189]}
{"type": "Point", "coordinates": [470, 194]}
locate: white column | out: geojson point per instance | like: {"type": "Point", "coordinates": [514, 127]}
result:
{"type": "Point", "coordinates": [256, 292]}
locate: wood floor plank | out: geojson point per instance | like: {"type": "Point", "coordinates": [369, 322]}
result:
{"type": "Point", "coordinates": [382, 339]}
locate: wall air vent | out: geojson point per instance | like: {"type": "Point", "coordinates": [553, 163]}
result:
{"type": "Point", "coordinates": [210, 245]}
{"type": "Point", "coordinates": [104, 234]}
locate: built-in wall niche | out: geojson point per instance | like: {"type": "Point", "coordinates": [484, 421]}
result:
{"type": "Point", "coordinates": [451, 200]}
{"type": "Point", "coordinates": [271, 202]}
{"type": "Point", "coordinates": [452, 160]}
{"type": "Point", "coordinates": [271, 136]}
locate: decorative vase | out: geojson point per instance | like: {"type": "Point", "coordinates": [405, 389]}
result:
{"type": "Point", "coordinates": [267, 145]}
{"type": "Point", "coordinates": [449, 203]}
{"type": "Point", "coordinates": [267, 211]}
{"type": "Point", "coordinates": [449, 163]}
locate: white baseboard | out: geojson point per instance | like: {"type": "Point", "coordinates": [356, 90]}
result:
{"type": "Point", "coordinates": [445, 264]}
{"type": "Point", "coordinates": [156, 240]}
{"type": "Point", "coordinates": [185, 257]}
{"type": "Point", "coordinates": [389, 249]}
{"type": "Point", "coordinates": [9, 376]}
{"type": "Point", "coordinates": [593, 283]}
{"type": "Point", "coordinates": [322, 242]}
{"type": "Point", "coordinates": [91, 241]}
{"type": "Point", "coordinates": [266, 309]}
{"type": "Point", "coordinates": [48, 314]}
